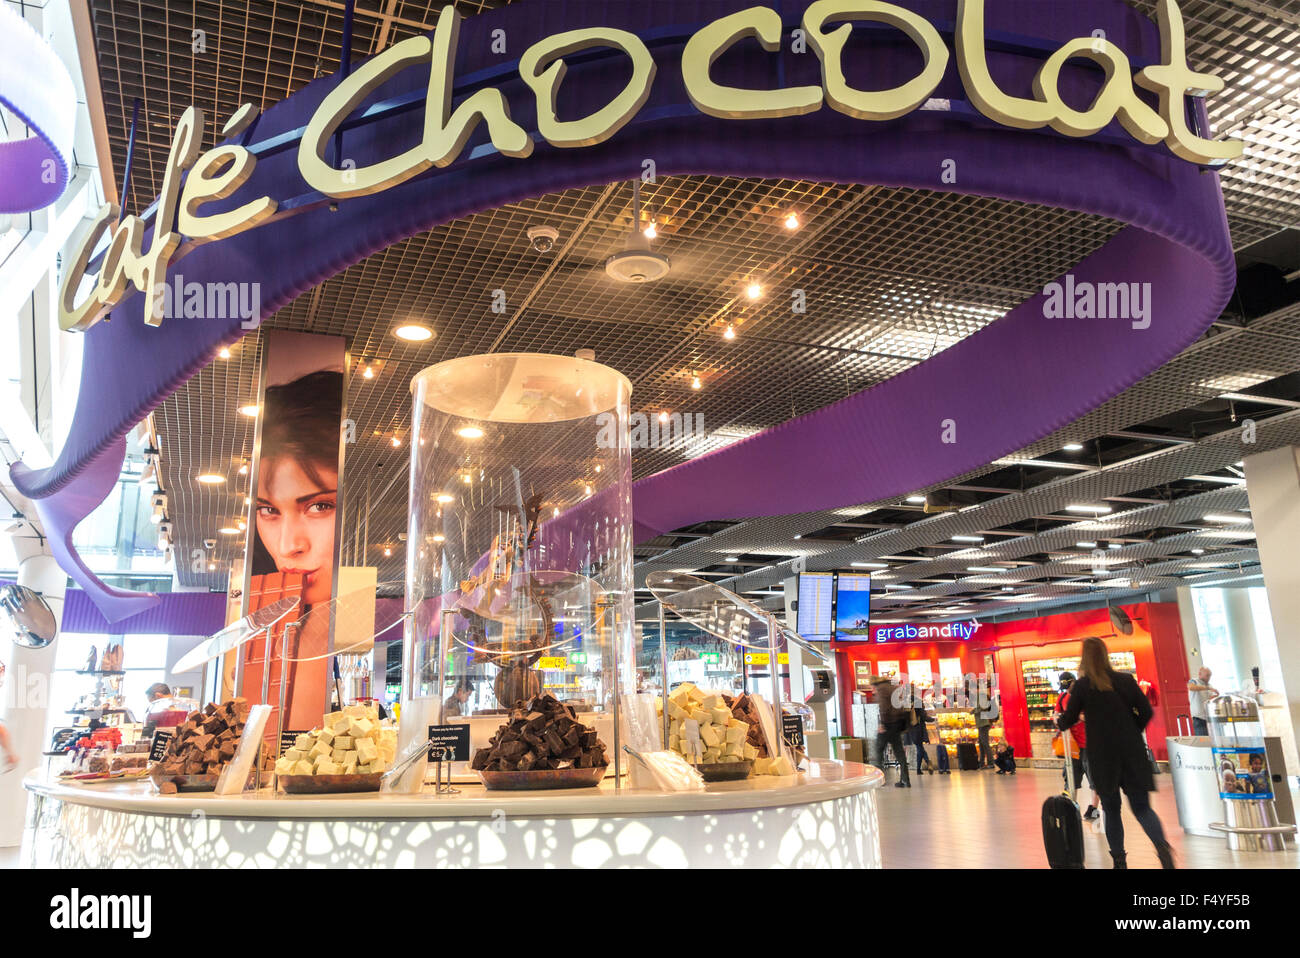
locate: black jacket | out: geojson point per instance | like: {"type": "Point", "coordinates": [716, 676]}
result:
{"type": "Point", "coordinates": [1117, 753]}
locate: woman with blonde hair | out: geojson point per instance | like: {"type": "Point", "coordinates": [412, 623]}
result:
{"type": "Point", "coordinates": [1115, 713]}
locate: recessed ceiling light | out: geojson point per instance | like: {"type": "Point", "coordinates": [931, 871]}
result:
{"type": "Point", "coordinates": [396, 442]}
{"type": "Point", "coordinates": [983, 568]}
{"type": "Point", "coordinates": [1198, 552]}
{"type": "Point", "coordinates": [967, 538]}
{"type": "Point", "coordinates": [1073, 447]}
{"type": "Point", "coordinates": [414, 333]}
{"type": "Point", "coordinates": [651, 231]}
{"type": "Point", "coordinates": [695, 383]}
{"type": "Point", "coordinates": [731, 559]}
{"type": "Point", "coordinates": [753, 291]}
{"type": "Point", "coordinates": [368, 373]}
{"type": "Point", "coordinates": [470, 432]}
{"type": "Point", "coordinates": [871, 565]}
{"type": "Point", "coordinates": [249, 411]}
{"type": "Point", "coordinates": [243, 469]}
{"type": "Point", "coordinates": [1086, 545]}
{"type": "Point", "coordinates": [663, 416]}
{"type": "Point", "coordinates": [916, 500]}
{"type": "Point", "coordinates": [210, 478]}
{"type": "Point", "coordinates": [228, 531]}
{"type": "Point", "coordinates": [1090, 510]}
{"type": "Point", "coordinates": [1234, 519]}
{"type": "Point", "coordinates": [387, 551]}
{"type": "Point", "coordinates": [445, 498]}
{"type": "Point", "coordinates": [792, 222]}
{"type": "Point", "coordinates": [439, 537]}
{"type": "Point", "coordinates": [224, 352]}
{"type": "Point", "coordinates": [730, 332]}
{"type": "Point", "coordinates": [1115, 545]}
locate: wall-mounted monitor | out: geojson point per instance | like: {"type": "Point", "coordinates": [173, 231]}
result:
{"type": "Point", "coordinates": [852, 608]}
{"type": "Point", "coordinates": [816, 596]}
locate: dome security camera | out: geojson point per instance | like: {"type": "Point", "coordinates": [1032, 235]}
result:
{"type": "Point", "coordinates": [543, 238]}
{"type": "Point", "coordinates": [164, 529]}
{"type": "Point", "coordinates": [209, 543]}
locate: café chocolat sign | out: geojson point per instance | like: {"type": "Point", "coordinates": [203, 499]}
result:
{"type": "Point", "coordinates": [218, 174]}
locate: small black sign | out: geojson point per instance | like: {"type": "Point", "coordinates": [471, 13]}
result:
{"type": "Point", "coordinates": [792, 731]}
{"type": "Point", "coordinates": [159, 744]}
{"type": "Point", "coordinates": [454, 737]}
{"type": "Point", "coordinates": [287, 738]}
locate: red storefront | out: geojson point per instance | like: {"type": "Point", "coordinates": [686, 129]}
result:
{"type": "Point", "coordinates": [1156, 647]}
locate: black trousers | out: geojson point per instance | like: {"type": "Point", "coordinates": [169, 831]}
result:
{"type": "Point", "coordinates": [1140, 805]}
{"type": "Point", "coordinates": [894, 739]}
{"type": "Point", "coordinates": [986, 752]}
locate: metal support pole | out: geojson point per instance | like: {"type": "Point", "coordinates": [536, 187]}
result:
{"type": "Point", "coordinates": [779, 745]}
{"type": "Point", "coordinates": [663, 665]}
{"type": "Point", "coordinates": [126, 172]}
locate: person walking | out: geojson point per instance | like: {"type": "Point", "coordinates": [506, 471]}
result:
{"type": "Point", "coordinates": [1116, 713]}
{"type": "Point", "coordinates": [1080, 736]}
{"type": "Point", "coordinates": [1199, 692]}
{"type": "Point", "coordinates": [918, 734]}
{"type": "Point", "coordinates": [987, 711]}
{"type": "Point", "coordinates": [894, 721]}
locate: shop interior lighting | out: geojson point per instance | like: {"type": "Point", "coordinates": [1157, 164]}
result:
{"type": "Point", "coordinates": [1089, 510]}
{"type": "Point", "coordinates": [967, 538]}
{"type": "Point", "coordinates": [1086, 545]}
{"type": "Point", "coordinates": [223, 353]}
{"type": "Point", "coordinates": [396, 442]}
{"type": "Point", "coordinates": [983, 568]}
{"type": "Point", "coordinates": [212, 566]}
{"type": "Point", "coordinates": [1198, 552]}
{"type": "Point", "coordinates": [753, 290]}
{"type": "Point", "coordinates": [663, 416]}
{"type": "Point", "coordinates": [695, 382]}
{"type": "Point", "coordinates": [241, 525]}
{"type": "Point", "coordinates": [243, 469]}
{"type": "Point", "coordinates": [470, 432]}
{"type": "Point", "coordinates": [651, 231]}
{"type": "Point", "coordinates": [228, 531]}
{"type": "Point", "coordinates": [916, 500]}
{"type": "Point", "coordinates": [367, 373]}
{"type": "Point", "coordinates": [413, 333]}
{"type": "Point", "coordinates": [445, 497]}
{"type": "Point", "coordinates": [731, 559]}
{"type": "Point", "coordinates": [210, 478]}
{"type": "Point", "coordinates": [439, 537]}
{"type": "Point", "coordinates": [1115, 545]}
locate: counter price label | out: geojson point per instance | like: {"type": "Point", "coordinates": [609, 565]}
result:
{"type": "Point", "coordinates": [455, 737]}
{"type": "Point", "coordinates": [553, 662]}
{"type": "Point", "coordinates": [159, 744]}
{"type": "Point", "coordinates": [792, 731]}
{"type": "Point", "coordinates": [287, 738]}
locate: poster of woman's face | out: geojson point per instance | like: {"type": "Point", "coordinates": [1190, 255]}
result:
{"type": "Point", "coordinates": [296, 500]}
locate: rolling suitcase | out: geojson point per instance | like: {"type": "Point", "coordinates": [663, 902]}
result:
{"type": "Point", "coordinates": [1062, 825]}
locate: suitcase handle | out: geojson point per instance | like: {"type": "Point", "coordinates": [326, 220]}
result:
{"type": "Point", "coordinates": [1069, 761]}
{"type": "Point", "coordinates": [1179, 720]}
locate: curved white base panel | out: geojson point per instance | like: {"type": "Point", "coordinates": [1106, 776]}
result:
{"type": "Point", "coordinates": [805, 824]}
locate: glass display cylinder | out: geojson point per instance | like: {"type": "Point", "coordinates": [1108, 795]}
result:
{"type": "Point", "coordinates": [520, 538]}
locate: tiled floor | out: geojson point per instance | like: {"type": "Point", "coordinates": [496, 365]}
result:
{"type": "Point", "coordinates": [986, 820]}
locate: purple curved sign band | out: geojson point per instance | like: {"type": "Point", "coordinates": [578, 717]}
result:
{"type": "Point", "coordinates": [1005, 387]}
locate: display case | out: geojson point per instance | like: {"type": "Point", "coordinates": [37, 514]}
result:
{"type": "Point", "coordinates": [1042, 684]}
{"type": "Point", "coordinates": [519, 553]}
{"type": "Point", "coordinates": [746, 684]}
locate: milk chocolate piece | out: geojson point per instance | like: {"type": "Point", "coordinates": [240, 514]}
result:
{"type": "Point", "coordinates": [167, 788]}
{"type": "Point", "coordinates": [215, 725]}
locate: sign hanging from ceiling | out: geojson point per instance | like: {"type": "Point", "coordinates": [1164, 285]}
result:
{"type": "Point", "coordinates": [1078, 104]}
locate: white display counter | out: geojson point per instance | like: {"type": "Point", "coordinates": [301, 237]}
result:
{"type": "Point", "coordinates": [824, 817]}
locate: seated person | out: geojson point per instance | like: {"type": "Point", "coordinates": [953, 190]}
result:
{"type": "Point", "coordinates": [1004, 757]}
